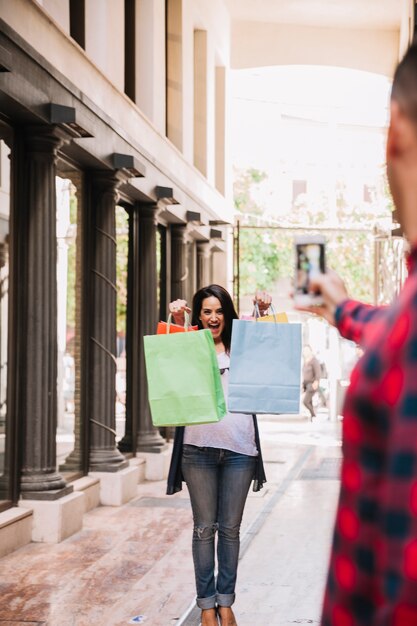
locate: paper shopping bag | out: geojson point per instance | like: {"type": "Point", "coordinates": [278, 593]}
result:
{"type": "Point", "coordinates": [184, 385]}
{"type": "Point", "coordinates": [274, 316]}
{"type": "Point", "coordinates": [279, 318]}
{"type": "Point", "coordinates": [265, 368]}
{"type": "Point", "coordinates": [163, 328]}
{"type": "Point", "coordinates": [167, 327]}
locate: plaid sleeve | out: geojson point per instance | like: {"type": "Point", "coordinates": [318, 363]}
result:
{"type": "Point", "coordinates": [352, 319]}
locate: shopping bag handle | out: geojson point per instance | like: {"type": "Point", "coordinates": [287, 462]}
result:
{"type": "Point", "coordinates": [258, 313]}
{"type": "Point", "coordinates": [187, 323]}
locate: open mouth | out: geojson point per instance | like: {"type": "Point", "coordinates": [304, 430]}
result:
{"type": "Point", "coordinates": [214, 327]}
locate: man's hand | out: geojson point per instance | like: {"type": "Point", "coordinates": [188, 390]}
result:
{"type": "Point", "coordinates": [177, 308]}
{"type": "Point", "coordinates": [263, 300]}
{"type": "Point", "coordinates": [333, 291]}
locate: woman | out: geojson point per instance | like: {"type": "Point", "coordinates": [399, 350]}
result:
{"type": "Point", "coordinates": [218, 462]}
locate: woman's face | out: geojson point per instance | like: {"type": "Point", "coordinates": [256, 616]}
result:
{"type": "Point", "coordinates": [211, 316]}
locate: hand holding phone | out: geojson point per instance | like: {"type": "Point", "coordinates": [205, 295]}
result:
{"type": "Point", "coordinates": [310, 260]}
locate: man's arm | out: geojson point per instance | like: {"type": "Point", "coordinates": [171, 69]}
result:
{"type": "Point", "coordinates": [349, 316]}
{"type": "Point", "coordinates": [352, 319]}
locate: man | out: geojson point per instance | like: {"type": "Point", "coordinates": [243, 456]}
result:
{"type": "Point", "coordinates": [311, 378]}
{"type": "Point", "coordinates": [372, 578]}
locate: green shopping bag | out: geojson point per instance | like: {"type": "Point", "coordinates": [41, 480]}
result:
{"type": "Point", "coordinates": [184, 385]}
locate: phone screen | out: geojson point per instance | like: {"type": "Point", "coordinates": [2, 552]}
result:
{"type": "Point", "coordinates": [310, 261]}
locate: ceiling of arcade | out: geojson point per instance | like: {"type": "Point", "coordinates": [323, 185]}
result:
{"type": "Point", "coordinates": [384, 14]}
{"type": "Point", "coordinates": [368, 35]}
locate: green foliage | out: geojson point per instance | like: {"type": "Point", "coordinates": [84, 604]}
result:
{"type": "Point", "coordinates": [72, 261]}
{"type": "Point", "coordinates": [266, 254]}
{"type": "Point", "coordinates": [351, 255]}
{"type": "Point", "coordinates": [122, 238]}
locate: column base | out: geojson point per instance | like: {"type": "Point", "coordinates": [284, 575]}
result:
{"type": "Point", "coordinates": [15, 530]}
{"type": "Point", "coordinates": [150, 442]}
{"type": "Point", "coordinates": [73, 462]}
{"type": "Point", "coordinates": [141, 465]}
{"type": "Point", "coordinates": [90, 487]}
{"type": "Point", "coordinates": [107, 461]}
{"type": "Point", "coordinates": [50, 495]}
{"type": "Point", "coordinates": [125, 444]}
{"type": "Point", "coordinates": [117, 488]}
{"type": "Point", "coordinates": [55, 521]}
{"type": "Point", "coordinates": [39, 482]}
{"type": "Point", "coordinates": [157, 465]}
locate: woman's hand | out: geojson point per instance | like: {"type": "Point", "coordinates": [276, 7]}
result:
{"type": "Point", "coordinates": [178, 308]}
{"type": "Point", "coordinates": [263, 300]}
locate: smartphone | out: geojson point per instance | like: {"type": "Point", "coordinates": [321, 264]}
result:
{"type": "Point", "coordinates": [310, 260]}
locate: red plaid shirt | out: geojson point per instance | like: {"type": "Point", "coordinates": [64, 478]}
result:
{"type": "Point", "coordinates": [372, 577]}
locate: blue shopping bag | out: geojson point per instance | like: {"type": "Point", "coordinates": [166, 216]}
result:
{"type": "Point", "coordinates": [265, 368]}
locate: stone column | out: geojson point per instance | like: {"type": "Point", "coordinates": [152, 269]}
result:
{"type": "Point", "coordinates": [203, 264]}
{"type": "Point", "coordinates": [144, 286]}
{"type": "Point", "coordinates": [34, 304]}
{"type": "Point", "coordinates": [104, 455]}
{"type": "Point", "coordinates": [179, 263]}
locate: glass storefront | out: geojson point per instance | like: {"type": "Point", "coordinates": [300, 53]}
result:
{"type": "Point", "coordinates": [122, 245]}
{"type": "Point", "coordinates": [69, 457]}
{"type": "Point", "coordinates": [5, 471]}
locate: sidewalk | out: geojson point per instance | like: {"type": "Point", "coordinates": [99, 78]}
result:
{"type": "Point", "coordinates": [133, 564]}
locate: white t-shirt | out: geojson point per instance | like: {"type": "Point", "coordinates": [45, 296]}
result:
{"type": "Point", "coordinates": [234, 432]}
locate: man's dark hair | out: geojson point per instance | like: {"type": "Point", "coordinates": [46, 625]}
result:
{"type": "Point", "coordinates": [227, 305]}
{"type": "Point", "coordinates": [404, 85]}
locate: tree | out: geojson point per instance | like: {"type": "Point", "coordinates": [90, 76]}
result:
{"type": "Point", "coordinates": [261, 259]}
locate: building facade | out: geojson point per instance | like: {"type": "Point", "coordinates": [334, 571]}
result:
{"type": "Point", "coordinates": [112, 134]}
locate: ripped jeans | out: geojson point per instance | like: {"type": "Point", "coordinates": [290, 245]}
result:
{"type": "Point", "coordinates": [218, 482]}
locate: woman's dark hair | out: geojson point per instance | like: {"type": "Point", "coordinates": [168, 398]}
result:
{"type": "Point", "coordinates": [227, 305]}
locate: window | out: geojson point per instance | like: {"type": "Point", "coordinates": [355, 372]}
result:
{"type": "Point", "coordinates": [130, 52]}
{"type": "Point", "coordinates": [298, 187]}
{"type": "Point", "coordinates": [77, 21]}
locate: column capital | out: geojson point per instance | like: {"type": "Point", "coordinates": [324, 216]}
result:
{"type": "Point", "coordinates": [107, 183]}
{"type": "Point", "coordinates": [180, 232]}
{"type": "Point", "coordinates": [44, 140]}
{"type": "Point", "coordinates": [148, 212]}
{"type": "Point", "coordinates": [204, 248]}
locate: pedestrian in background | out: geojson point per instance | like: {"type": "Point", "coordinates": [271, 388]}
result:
{"type": "Point", "coordinates": [218, 462]}
{"type": "Point", "coordinates": [311, 378]}
{"type": "Point", "coordinates": [372, 577]}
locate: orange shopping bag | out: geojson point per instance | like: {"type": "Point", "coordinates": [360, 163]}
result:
{"type": "Point", "coordinates": [165, 328]}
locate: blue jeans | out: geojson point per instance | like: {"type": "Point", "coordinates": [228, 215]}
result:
{"type": "Point", "coordinates": [218, 482]}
